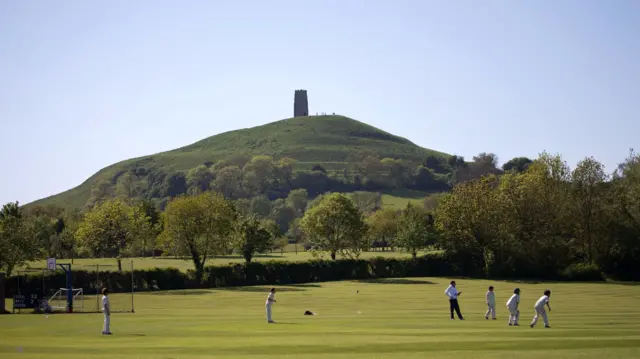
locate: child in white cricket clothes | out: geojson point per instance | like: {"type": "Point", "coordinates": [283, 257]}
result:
{"type": "Point", "coordinates": [491, 304]}
{"type": "Point", "coordinates": [512, 306]}
{"type": "Point", "coordinates": [539, 308]}
{"type": "Point", "coordinates": [271, 298]}
{"type": "Point", "coordinates": [106, 310]}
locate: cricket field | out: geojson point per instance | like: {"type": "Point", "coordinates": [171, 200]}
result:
{"type": "Point", "coordinates": [392, 318]}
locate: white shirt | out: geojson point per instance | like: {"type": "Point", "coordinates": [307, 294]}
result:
{"type": "Point", "coordinates": [451, 292]}
{"type": "Point", "coordinates": [541, 302]}
{"type": "Point", "coordinates": [105, 304]}
{"type": "Point", "coordinates": [270, 298]}
{"type": "Point", "coordinates": [491, 298]}
{"type": "Point", "coordinates": [513, 301]}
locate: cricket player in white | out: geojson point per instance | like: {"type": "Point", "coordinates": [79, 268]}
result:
{"type": "Point", "coordinates": [539, 308]}
{"type": "Point", "coordinates": [271, 298]}
{"type": "Point", "coordinates": [106, 310]}
{"type": "Point", "coordinates": [512, 306]}
{"type": "Point", "coordinates": [491, 304]}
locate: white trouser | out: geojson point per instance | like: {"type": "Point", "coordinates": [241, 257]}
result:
{"type": "Point", "coordinates": [268, 307]}
{"type": "Point", "coordinates": [514, 315]}
{"type": "Point", "coordinates": [107, 323]}
{"type": "Point", "coordinates": [540, 312]}
{"type": "Point", "coordinates": [491, 309]}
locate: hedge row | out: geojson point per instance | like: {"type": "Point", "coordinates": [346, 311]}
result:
{"type": "Point", "coordinates": [264, 273]}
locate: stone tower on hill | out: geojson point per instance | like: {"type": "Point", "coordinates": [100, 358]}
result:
{"type": "Point", "coordinates": [300, 104]}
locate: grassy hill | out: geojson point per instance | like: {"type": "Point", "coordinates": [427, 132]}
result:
{"type": "Point", "coordinates": [330, 141]}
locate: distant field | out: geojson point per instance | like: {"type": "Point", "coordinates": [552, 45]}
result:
{"type": "Point", "coordinates": [185, 264]}
{"type": "Point", "coordinates": [394, 318]}
{"type": "Point", "coordinates": [399, 198]}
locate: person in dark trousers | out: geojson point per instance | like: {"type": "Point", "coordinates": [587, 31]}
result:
{"type": "Point", "coordinates": [452, 293]}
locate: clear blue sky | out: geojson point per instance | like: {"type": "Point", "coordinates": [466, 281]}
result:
{"type": "Point", "coordinates": [84, 84]}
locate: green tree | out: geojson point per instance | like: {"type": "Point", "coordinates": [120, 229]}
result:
{"type": "Point", "coordinates": [108, 230]}
{"type": "Point", "coordinates": [199, 226]}
{"type": "Point", "coordinates": [518, 164]}
{"type": "Point", "coordinates": [469, 220]}
{"type": "Point", "coordinates": [260, 206]}
{"type": "Point", "coordinates": [394, 172]}
{"type": "Point", "coordinates": [367, 202]}
{"type": "Point", "coordinates": [335, 225]}
{"type": "Point", "coordinates": [536, 213]}
{"type": "Point", "coordinates": [199, 179]}
{"type": "Point", "coordinates": [589, 191]}
{"type": "Point", "coordinates": [295, 233]}
{"type": "Point", "coordinates": [251, 238]}
{"type": "Point", "coordinates": [258, 175]}
{"type": "Point", "coordinates": [414, 231]}
{"type": "Point", "coordinates": [297, 199]}
{"type": "Point", "coordinates": [279, 244]}
{"type": "Point", "coordinates": [282, 214]}
{"type": "Point", "coordinates": [16, 243]}
{"type": "Point", "coordinates": [42, 233]}
{"type": "Point", "coordinates": [271, 226]}
{"type": "Point", "coordinates": [228, 181]}
{"type": "Point", "coordinates": [382, 227]}
{"type": "Point", "coordinates": [152, 227]}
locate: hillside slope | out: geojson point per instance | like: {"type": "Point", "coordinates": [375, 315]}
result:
{"type": "Point", "coordinates": [331, 141]}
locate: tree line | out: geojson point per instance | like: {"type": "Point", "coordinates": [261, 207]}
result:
{"type": "Point", "coordinates": [537, 219]}
{"type": "Point", "coordinates": [244, 177]}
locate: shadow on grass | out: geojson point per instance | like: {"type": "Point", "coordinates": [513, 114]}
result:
{"type": "Point", "coordinates": [308, 285]}
{"type": "Point", "coordinates": [395, 281]}
{"type": "Point", "coordinates": [262, 289]}
{"type": "Point", "coordinates": [182, 292]}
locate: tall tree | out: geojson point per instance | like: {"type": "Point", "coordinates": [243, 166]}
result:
{"type": "Point", "coordinates": [469, 220]}
{"type": "Point", "coordinates": [200, 226]}
{"type": "Point", "coordinates": [260, 206]}
{"type": "Point", "coordinates": [251, 238]}
{"type": "Point", "coordinates": [335, 225]}
{"type": "Point", "coordinates": [199, 179]}
{"type": "Point", "coordinates": [589, 186]}
{"type": "Point", "coordinates": [382, 227]}
{"type": "Point", "coordinates": [295, 233]}
{"type": "Point", "coordinates": [297, 199]}
{"type": "Point", "coordinates": [16, 243]}
{"type": "Point", "coordinates": [228, 181]}
{"type": "Point", "coordinates": [108, 230]}
{"type": "Point", "coordinates": [414, 230]}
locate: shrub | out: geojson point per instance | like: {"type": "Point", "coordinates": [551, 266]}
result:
{"type": "Point", "coordinates": [269, 273]}
{"type": "Point", "coordinates": [582, 272]}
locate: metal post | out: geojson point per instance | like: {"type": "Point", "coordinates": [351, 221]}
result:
{"type": "Point", "coordinates": [98, 287]}
{"type": "Point", "coordinates": [69, 291]}
{"type": "Point", "coordinates": [132, 286]}
{"type": "Point", "coordinates": [67, 270]}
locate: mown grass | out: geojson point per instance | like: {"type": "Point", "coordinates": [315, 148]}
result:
{"type": "Point", "coordinates": [330, 141]}
{"type": "Point", "coordinates": [393, 318]}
